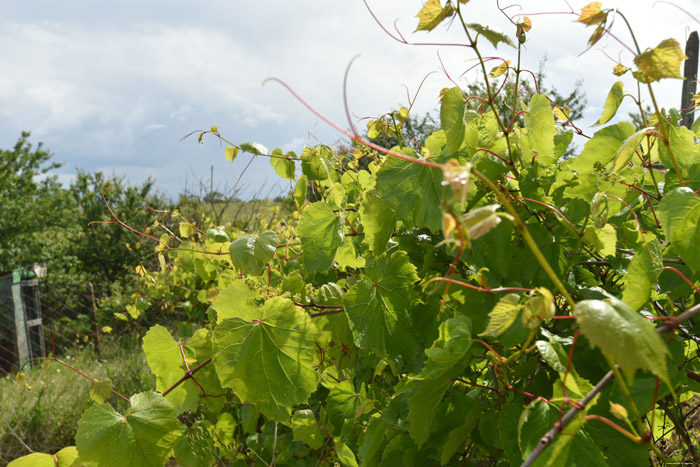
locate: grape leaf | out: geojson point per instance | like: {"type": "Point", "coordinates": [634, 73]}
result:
{"type": "Point", "coordinates": [423, 405]}
{"type": "Point", "coordinates": [345, 454]}
{"type": "Point", "coordinates": [165, 360]}
{"type": "Point", "coordinates": [492, 36]}
{"type": "Point", "coordinates": [343, 402]}
{"type": "Point", "coordinates": [230, 153]}
{"type": "Point", "coordinates": [254, 148]}
{"type": "Point", "coordinates": [450, 349]}
{"type": "Point", "coordinates": [432, 14]}
{"type": "Point", "coordinates": [66, 457]}
{"type": "Point", "coordinates": [685, 151]}
{"type": "Point", "coordinates": [196, 448]}
{"type": "Point", "coordinates": [305, 428]}
{"type": "Point", "coordinates": [250, 253]}
{"type": "Point", "coordinates": [679, 213]}
{"type": "Point", "coordinates": [235, 300]}
{"type": "Point", "coordinates": [503, 315]}
{"type": "Point", "coordinates": [413, 191]}
{"type": "Point", "coordinates": [557, 358]}
{"type": "Point", "coordinates": [379, 221]}
{"type": "Point", "coordinates": [612, 103]}
{"type": "Point", "coordinates": [642, 273]}
{"type": "Point", "coordinates": [602, 148]}
{"type": "Point", "coordinates": [100, 390]}
{"type": "Point", "coordinates": [143, 436]}
{"type": "Point", "coordinates": [377, 305]}
{"type": "Point", "coordinates": [321, 233]}
{"type": "Point", "coordinates": [628, 148]}
{"type": "Point", "coordinates": [619, 331]}
{"type": "Point", "coordinates": [663, 61]}
{"type": "Point", "coordinates": [283, 164]}
{"type": "Point", "coordinates": [603, 239]}
{"type": "Point", "coordinates": [508, 432]}
{"type": "Point", "coordinates": [592, 14]}
{"type": "Point", "coordinates": [268, 360]}
{"type": "Point", "coordinates": [453, 118]}
{"type": "Point", "coordinates": [541, 130]}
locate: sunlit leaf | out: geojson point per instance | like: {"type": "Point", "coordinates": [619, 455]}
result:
{"type": "Point", "coordinates": [306, 428]}
{"type": "Point", "coordinates": [642, 274]}
{"type": "Point", "coordinates": [592, 14]}
{"type": "Point", "coordinates": [250, 253]}
{"type": "Point", "coordinates": [283, 164]}
{"type": "Point", "coordinates": [663, 61]}
{"type": "Point", "coordinates": [620, 69]}
{"type": "Point", "coordinates": [100, 390]}
{"type": "Point", "coordinates": [142, 436]}
{"type": "Point", "coordinates": [631, 341]}
{"type": "Point", "coordinates": [66, 457]}
{"type": "Point", "coordinates": [377, 305]}
{"type": "Point", "coordinates": [321, 233]}
{"type": "Point", "coordinates": [230, 153]}
{"type": "Point", "coordinates": [612, 103]}
{"type": "Point", "coordinates": [165, 359]}
{"type": "Point", "coordinates": [602, 148]}
{"type": "Point", "coordinates": [432, 14]}
{"type": "Point", "coordinates": [492, 36]}
{"type": "Point", "coordinates": [268, 360]}
{"type": "Point", "coordinates": [538, 307]}
{"type": "Point", "coordinates": [379, 221]}
{"type": "Point", "coordinates": [254, 148]}
{"type": "Point", "coordinates": [500, 69]}
{"type": "Point", "coordinates": [596, 36]}
{"type": "Point", "coordinates": [679, 213]}
{"type": "Point", "coordinates": [503, 315]}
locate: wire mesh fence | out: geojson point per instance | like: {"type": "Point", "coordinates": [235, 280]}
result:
{"type": "Point", "coordinates": [35, 323]}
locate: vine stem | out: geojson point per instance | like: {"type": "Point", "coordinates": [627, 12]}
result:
{"type": "Point", "coordinates": [547, 439]}
{"type": "Point", "coordinates": [520, 226]}
{"type": "Point", "coordinates": [89, 378]}
{"type": "Point", "coordinates": [662, 126]}
{"type": "Point", "coordinates": [187, 376]}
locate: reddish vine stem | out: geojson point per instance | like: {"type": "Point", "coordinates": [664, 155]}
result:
{"type": "Point", "coordinates": [187, 376]}
{"type": "Point", "coordinates": [89, 378]}
{"type": "Point", "coordinates": [476, 385]}
{"type": "Point", "coordinates": [547, 439]}
{"type": "Point", "coordinates": [353, 136]}
{"type": "Point", "coordinates": [682, 276]}
{"type": "Point", "coordinates": [480, 289]}
{"type": "Point", "coordinates": [615, 426]}
{"type": "Point", "coordinates": [187, 367]}
{"type": "Point", "coordinates": [553, 209]}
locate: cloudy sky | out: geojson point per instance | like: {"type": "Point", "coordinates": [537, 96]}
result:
{"type": "Point", "coordinates": [114, 86]}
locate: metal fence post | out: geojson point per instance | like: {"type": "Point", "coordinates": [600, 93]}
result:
{"type": "Point", "coordinates": [690, 83]}
{"type": "Point", "coordinates": [93, 318]}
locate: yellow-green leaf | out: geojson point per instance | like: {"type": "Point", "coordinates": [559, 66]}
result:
{"type": "Point", "coordinates": [503, 315]}
{"type": "Point", "coordinates": [628, 149]}
{"type": "Point", "coordinates": [100, 390]}
{"type": "Point", "coordinates": [432, 14]}
{"type": "Point", "coordinates": [230, 152]}
{"type": "Point", "coordinates": [626, 336]}
{"type": "Point", "coordinates": [663, 61]}
{"type": "Point", "coordinates": [612, 103]}
{"type": "Point", "coordinates": [500, 69]}
{"type": "Point", "coordinates": [620, 69]}
{"type": "Point", "coordinates": [592, 14]}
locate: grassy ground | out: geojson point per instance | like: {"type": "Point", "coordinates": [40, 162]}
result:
{"type": "Point", "coordinates": [43, 414]}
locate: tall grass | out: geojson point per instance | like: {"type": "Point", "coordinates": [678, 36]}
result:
{"type": "Point", "coordinates": [41, 413]}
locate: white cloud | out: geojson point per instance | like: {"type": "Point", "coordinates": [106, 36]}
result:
{"type": "Point", "coordinates": [94, 84]}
